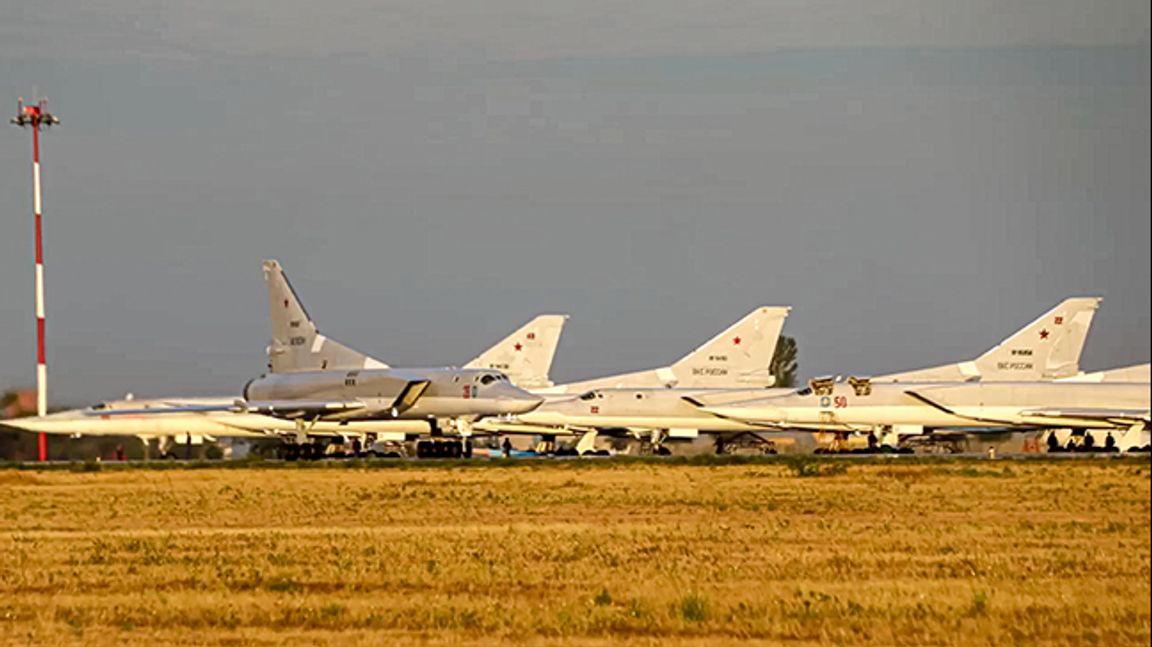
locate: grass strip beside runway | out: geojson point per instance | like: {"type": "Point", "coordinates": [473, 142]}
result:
{"type": "Point", "coordinates": [822, 551]}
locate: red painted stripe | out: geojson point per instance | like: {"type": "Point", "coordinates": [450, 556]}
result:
{"type": "Point", "coordinates": [40, 340]}
{"type": "Point", "coordinates": [36, 140]}
{"type": "Point", "coordinates": [39, 240]}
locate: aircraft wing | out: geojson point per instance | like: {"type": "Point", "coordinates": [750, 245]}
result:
{"type": "Point", "coordinates": [292, 409]}
{"type": "Point", "coordinates": [170, 407]}
{"type": "Point", "coordinates": [277, 408]}
{"type": "Point", "coordinates": [1119, 416]}
{"type": "Point", "coordinates": [495, 426]}
{"type": "Point", "coordinates": [409, 394]}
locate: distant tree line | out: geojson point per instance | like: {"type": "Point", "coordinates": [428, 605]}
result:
{"type": "Point", "coordinates": [784, 364]}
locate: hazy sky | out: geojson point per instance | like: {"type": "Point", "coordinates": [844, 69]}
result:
{"type": "Point", "coordinates": [917, 178]}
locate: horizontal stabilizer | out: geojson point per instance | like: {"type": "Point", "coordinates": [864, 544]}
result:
{"type": "Point", "coordinates": [1138, 374]}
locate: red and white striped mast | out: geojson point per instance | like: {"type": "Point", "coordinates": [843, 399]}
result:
{"type": "Point", "coordinates": [37, 116]}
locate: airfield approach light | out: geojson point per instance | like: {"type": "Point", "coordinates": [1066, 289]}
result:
{"type": "Point", "coordinates": [37, 116]}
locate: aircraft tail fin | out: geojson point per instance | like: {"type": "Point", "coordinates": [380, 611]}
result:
{"type": "Point", "coordinates": [296, 343]}
{"type": "Point", "coordinates": [739, 356]}
{"type": "Point", "coordinates": [1045, 349]}
{"type": "Point", "coordinates": [526, 355]}
{"type": "Point", "coordinates": [1048, 348]}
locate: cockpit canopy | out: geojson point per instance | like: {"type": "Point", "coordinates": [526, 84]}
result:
{"type": "Point", "coordinates": [488, 378]}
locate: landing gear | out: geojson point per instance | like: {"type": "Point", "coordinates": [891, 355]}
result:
{"type": "Point", "coordinates": [651, 449]}
{"type": "Point", "coordinates": [302, 451]}
{"type": "Point", "coordinates": [653, 445]}
{"type": "Point", "coordinates": [444, 449]}
{"type": "Point", "coordinates": [841, 443]}
{"type": "Point", "coordinates": [747, 444]}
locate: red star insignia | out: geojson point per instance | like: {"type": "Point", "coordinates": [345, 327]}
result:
{"type": "Point", "coordinates": [1044, 334]}
{"type": "Point", "coordinates": [1058, 321]}
{"type": "Point", "coordinates": [737, 341]}
{"type": "Point", "coordinates": [518, 346]}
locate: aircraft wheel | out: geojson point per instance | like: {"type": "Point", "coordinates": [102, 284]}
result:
{"type": "Point", "coordinates": [661, 450]}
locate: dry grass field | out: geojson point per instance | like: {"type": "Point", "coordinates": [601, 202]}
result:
{"type": "Point", "coordinates": [969, 552]}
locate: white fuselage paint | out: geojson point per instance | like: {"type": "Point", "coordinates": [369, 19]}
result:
{"type": "Point", "coordinates": [992, 405]}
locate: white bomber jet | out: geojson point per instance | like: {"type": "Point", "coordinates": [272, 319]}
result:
{"type": "Point", "coordinates": [312, 378]}
{"type": "Point", "coordinates": [862, 404]}
{"type": "Point", "coordinates": [525, 356]}
{"type": "Point", "coordinates": [1048, 347]}
{"type": "Point", "coordinates": [297, 347]}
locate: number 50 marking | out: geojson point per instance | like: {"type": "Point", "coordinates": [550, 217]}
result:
{"type": "Point", "coordinates": [840, 401]}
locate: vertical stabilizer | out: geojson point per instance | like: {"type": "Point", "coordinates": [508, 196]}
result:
{"type": "Point", "coordinates": [1046, 349]}
{"type": "Point", "coordinates": [296, 344]}
{"type": "Point", "coordinates": [526, 355]}
{"type": "Point", "coordinates": [739, 356]}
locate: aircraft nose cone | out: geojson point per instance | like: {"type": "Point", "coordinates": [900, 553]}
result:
{"type": "Point", "coordinates": [52, 423]}
{"type": "Point", "coordinates": [522, 404]}
{"type": "Point", "coordinates": [26, 424]}
{"type": "Point", "coordinates": [513, 400]}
